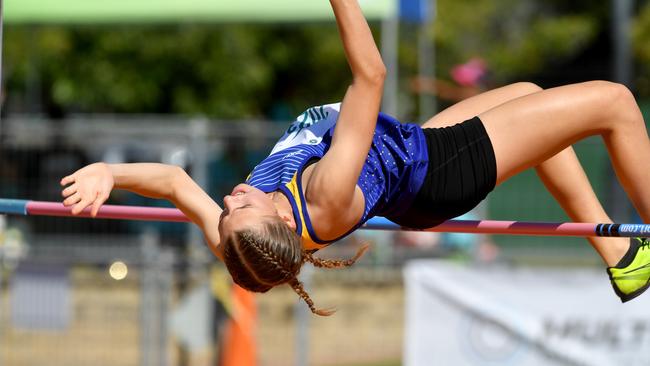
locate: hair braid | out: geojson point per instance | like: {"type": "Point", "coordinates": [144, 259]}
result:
{"type": "Point", "coordinates": [333, 263]}
{"type": "Point", "coordinates": [263, 257]}
{"type": "Point", "coordinates": [300, 290]}
{"type": "Point", "coordinates": [269, 256]}
{"type": "Point", "coordinates": [259, 258]}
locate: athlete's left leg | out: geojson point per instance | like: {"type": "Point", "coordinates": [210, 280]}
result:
{"type": "Point", "coordinates": [529, 130]}
{"type": "Point", "coordinates": [532, 130]}
{"type": "Point", "coordinates": [562, 174]}
{"type": "Point", "coordinates": [473, 106]}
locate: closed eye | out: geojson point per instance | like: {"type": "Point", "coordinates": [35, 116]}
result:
{"type": "Point", "coordinates": [226, 212]}
{"type": "Point", "coordinates": [244, 206]}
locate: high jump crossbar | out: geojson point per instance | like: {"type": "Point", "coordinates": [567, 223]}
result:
{"type": "Point", "coordinates": [41, 208]}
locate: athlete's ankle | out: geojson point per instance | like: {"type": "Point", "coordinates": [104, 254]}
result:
{"type": "Point", "coordinates": [614, 251]}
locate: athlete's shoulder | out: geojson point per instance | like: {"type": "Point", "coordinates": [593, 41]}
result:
{"type": "Point", "coordinates": [310, 127]}
{"type": "Point", "coordinates": [317, 113]}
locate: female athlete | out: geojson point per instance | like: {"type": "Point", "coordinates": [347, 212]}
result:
{"type": "Point", "coordinates": [338, 165]}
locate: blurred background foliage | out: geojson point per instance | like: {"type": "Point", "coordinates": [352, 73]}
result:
{"type": "Point", "coordinates": [251, 70]}
{"type": "Point", "coordinates": [515, 38]}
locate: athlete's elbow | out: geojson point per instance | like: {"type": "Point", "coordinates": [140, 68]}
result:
{"type": "Point", "coordinates": [178, 181]}
{"type": "Point", "coordinates": [372, 74]}
{"type": "Point", "coordinates": [380, 74]}
{"type": "Point", "coordinates": [379, 71]}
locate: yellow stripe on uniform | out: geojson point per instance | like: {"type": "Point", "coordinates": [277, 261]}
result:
{"type": "Point", "coordinates": [307, 241]}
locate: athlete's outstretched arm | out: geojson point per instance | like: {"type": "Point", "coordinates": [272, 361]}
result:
{"type": "Point", "coordinates": [334, 178]}
{"type": "Point", "coordinates": [90, 186]}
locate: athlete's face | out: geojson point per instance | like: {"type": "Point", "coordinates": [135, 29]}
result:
{"type": "Point", "coordinates": [244, 207]}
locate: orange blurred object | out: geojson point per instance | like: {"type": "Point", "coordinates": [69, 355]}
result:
{"type": "Point", "coordinates": [239, 347]}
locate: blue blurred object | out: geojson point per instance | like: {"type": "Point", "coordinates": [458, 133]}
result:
{"type": "Point", "coordinates": [17, 207]}
{"type": "Point", "coordinates": [461, 241]}
{"type": "Point", "coordinates": [416, 11]}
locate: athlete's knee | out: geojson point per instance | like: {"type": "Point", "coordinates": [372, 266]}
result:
{"type": "Point", "coordinates": [526, 87]}
{"type": "Point", "coordinates": [611, 92]}
{"type": "Point", "coordinates": [623, 93]}
{"type": "Point", "coordinates": [615, 101]}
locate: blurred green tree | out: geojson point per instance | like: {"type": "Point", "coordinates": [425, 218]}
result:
{"type": "Point", "coordinates": [224, 71]}
{"type": "Point", "coordinates": [516, 38]}
{"type": "Point", "coordinates": [236, 71]}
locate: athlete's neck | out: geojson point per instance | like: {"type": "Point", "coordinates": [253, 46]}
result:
{"type": "Point", "coordinates": [283, 205]}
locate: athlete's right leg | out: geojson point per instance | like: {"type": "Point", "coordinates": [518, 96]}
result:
{"type": "Point", "coordinates": [565, 179]}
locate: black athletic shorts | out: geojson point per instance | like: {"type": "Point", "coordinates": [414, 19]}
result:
{"type": "Point", "coordinates": [462, 171]}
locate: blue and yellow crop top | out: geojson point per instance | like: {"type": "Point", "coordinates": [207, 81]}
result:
{"type": "Point", "coordinates": [390, 178]}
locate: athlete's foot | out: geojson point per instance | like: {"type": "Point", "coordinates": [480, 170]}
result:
{"type": "Point", "coordinates": [631, 276]}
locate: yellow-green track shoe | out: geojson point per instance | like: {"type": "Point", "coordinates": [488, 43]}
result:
{"type": "Point", "coordinates": [631, 276]}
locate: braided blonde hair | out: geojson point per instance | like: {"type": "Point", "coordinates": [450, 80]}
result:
{"type": "Point", "coordinates": [259, 260]}
{"type": "Point", "coordinates": [308, 256]}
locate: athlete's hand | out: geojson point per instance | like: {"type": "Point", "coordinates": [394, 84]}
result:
{"type": "Point", "coordinates": [88, 186]}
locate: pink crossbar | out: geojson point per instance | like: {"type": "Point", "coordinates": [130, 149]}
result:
{"type": "Point", "coordinates": [23, 207]}
{"type": "Point", "coordinates": [515, 228]}
{"type": "Point", "coordinates": [41, 208]}
{"type": "Point", "coordinates": [455, 226]}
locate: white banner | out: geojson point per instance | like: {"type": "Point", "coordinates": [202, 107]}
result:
{"type": "Point", "coordinates": [467, 315]}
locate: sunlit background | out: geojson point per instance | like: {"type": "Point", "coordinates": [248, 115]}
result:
{"type": "Point", "coordinates": [210, 85]}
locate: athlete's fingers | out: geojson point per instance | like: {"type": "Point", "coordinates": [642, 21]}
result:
{"type": "Point", "coordinates": [80, 206]}
{"type": "Point", "coordinates": [76, 197]}
{"type": "Point", "coordinates": [69, 190]}
{"type": "Point", "coordinates": [101, 198]}
{"type": "Point", "coordinates": [67, 180]}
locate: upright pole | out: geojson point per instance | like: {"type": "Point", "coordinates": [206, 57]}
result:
{"type": "Point", "coordinates": [1, 44]}
{"type": "Point", "coordinates": [621, 21]}
{"type": "Point", "coordinates": [426, 58]}
{"type": "Point", "coordinates": [622, 73]}
{"type": "Point", "coordinates": [3, 223]}
{"type": "Point", "coordinates": [389, 45]}
{"type": "Point", "coordinates": [2, 93]}
{"type": "Point", "coordinates": [149, 311]}
{"type": "Point", "coordinates": [199, 131]}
